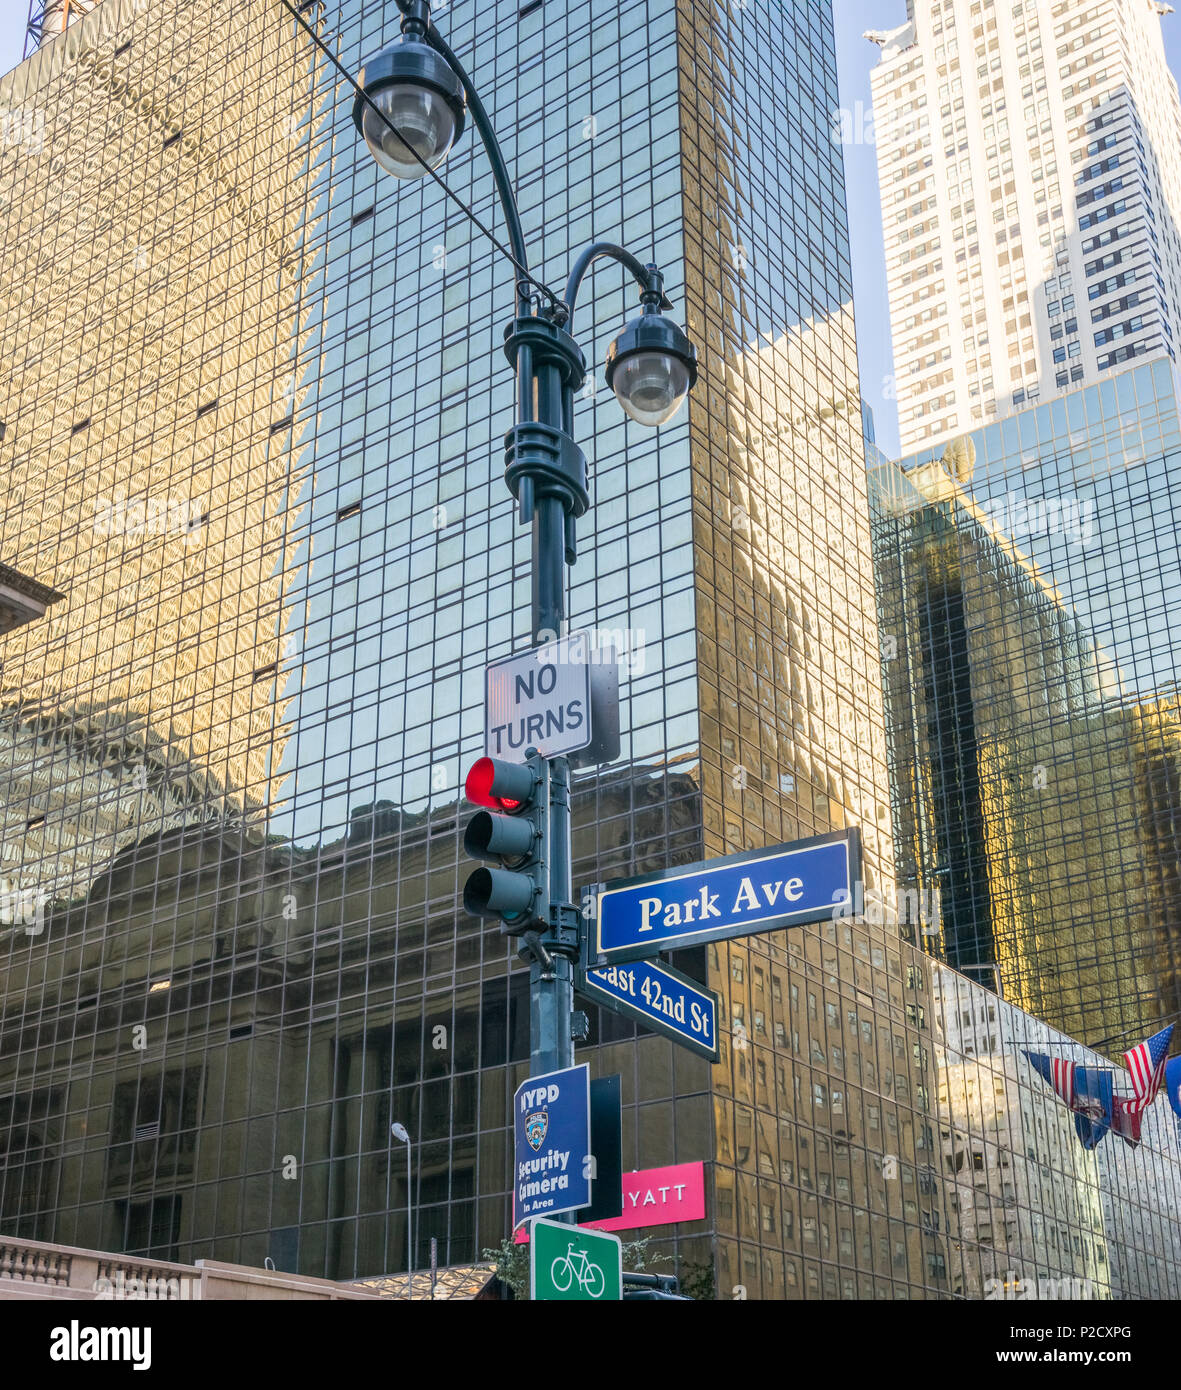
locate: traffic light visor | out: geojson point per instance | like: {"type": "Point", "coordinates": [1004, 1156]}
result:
{"type": "Point", "coordinates": [497, 893]}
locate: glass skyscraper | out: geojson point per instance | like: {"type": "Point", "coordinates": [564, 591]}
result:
{"type": "Point", "coordinates": [1028, 575]}
{"type": "Point", "coordinates": [253, 397]}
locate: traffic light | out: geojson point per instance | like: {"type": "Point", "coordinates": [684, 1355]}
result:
{"type": "Point", "coordinates": [653, 1288]}
{"type": "Point", "coordinates": [511, 834]}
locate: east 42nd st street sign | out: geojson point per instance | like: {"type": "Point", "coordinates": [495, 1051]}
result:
{"type": "Point", "coordinates": [661, 998]}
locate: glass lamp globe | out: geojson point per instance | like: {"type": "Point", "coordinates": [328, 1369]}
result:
{"type": "Point", "coordinates": [422, 116]}
{"type": "Point", "coordinates": [651, 386]}
{"type": "Point", "coordinates": [651, 367]}
{"type": "Point", "coordinates": [416, 93]}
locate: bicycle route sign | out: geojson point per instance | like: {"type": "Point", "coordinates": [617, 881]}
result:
{"type": "Point", "coordinates": [571, 1263]}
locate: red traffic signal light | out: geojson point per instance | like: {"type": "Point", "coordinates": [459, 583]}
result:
{"type": "Point", "coordinates": [510, 837]}
{"type": "Point", "coordinates": [499, 785]}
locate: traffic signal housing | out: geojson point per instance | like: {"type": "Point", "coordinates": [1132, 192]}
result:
{"type": "Point", "coordinates": [510, 836]}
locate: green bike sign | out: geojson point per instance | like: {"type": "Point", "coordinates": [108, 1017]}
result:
{"type": "Point", "coordinates": [568, 1263]}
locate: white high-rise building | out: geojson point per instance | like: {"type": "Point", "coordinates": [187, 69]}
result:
{"type": "Point", "coordinates": [1029, 156]}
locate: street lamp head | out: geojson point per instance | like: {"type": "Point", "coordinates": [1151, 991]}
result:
{"type": "Point", "coordinates": [652, 366]}
{"type": "Point", "coordinates": [418, 94]}
{"type": "Point", "coordinates": [399, 1133]}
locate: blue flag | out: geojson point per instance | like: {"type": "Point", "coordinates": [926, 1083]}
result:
{"type": "Point", "coordinates": [1092, 1104]}
{"type": "Point", "coordinates": [1086, 1090]}
{"type": "Point", "coordinates": [1173, 1082]}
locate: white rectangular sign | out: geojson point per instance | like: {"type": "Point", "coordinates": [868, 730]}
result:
{"type": "Point", "coordinates": [540, 699]}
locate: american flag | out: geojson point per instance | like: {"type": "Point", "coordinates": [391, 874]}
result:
{"type": "Point", "coordinates": [1125, 1119]}
{"type": "Point", "coordinates": [1085, 1090]}
{"type": "Point", "coordinates": [1059, 1073]}
{"type": "Point", "coordinates": [1062, 1079]}
{"type": "Point", "coordinates": [1146, 1066]}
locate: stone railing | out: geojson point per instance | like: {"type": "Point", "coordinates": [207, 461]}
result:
{"type": "Point", "coordinates": [43, 1264]}
{"type": "Point", "coordinates": [36, 1269]}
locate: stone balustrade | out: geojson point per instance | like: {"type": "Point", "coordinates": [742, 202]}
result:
{"type": "Point", "coordinates": [36, 1269]}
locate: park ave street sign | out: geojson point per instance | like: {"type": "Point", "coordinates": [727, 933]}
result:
{"type": "Point", "coordinates": [539, 699]}
{"type": "Point", "coordinates": [660, 997]}
{"type": "Point", "coordinates": [740, 895]}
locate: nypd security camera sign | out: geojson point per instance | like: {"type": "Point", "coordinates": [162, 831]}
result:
{"type": "Point", "coordinates": [540, 699]}
{"type": "Point", "coordinates": [551, 1127]}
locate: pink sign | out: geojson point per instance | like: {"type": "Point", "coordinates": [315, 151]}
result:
{"type": "Point", "coordinates": [658, 1197]}
{"type": "Point", "coordinates": [655, 1197]}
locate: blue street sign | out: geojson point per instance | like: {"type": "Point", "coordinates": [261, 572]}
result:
{"type": "Point", "coordinates": [655, 994]}
{"type": "Point", "coordinates": [739, 895]}
{"type": "Point", "coordinates": [551, 1127]}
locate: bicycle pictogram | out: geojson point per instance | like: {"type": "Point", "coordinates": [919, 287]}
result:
{"type": "Point", "coordinates": [577, 1265]}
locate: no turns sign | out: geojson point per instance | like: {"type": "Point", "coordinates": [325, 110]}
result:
{"type": "Point", "coordinates": [540, 699]}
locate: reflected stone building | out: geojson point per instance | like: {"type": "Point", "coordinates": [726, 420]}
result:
{"type": "Point", "coordinates": [254, 397]}
{"type": "Point", "coordinates": [1024, 1196]}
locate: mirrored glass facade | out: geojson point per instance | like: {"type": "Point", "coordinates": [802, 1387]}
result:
{"type": "Point", "coordinates": [1028, 577]}
{"type": "Point", "coordinates": [1030, 1214]}
{"type": "Point", "coordinates": [254, 400]}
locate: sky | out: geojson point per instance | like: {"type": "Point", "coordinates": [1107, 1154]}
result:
{"type": "Point", "coordinates": [855, 59]}
{"type": "Point", "coordinates": [12, 32]}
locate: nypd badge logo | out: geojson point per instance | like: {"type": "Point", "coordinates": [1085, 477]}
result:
{"type": "Point", "coordinates": [536, 1128]}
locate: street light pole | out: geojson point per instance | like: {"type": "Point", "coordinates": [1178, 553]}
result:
{"type": "Point", "coordinates": [402, 1135]}
{"type": "Point", "coordinates": [413, 100]}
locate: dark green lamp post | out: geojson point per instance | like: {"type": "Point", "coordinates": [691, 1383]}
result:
{"type": "Point", "coordinates": [413, 105]}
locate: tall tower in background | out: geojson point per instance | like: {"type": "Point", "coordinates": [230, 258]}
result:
{"type": "Point", "coordinates": [49, 18]}
{"type": "Point", "coordinates": [1030, 168]}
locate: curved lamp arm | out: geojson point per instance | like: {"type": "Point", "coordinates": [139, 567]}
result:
{"type": "Point", "coordinates": [504, 184]}
{"type": "Point", "coordinates": [649, 279]}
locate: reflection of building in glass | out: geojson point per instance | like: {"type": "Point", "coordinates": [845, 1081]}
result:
{"type": "Point", "coordinates": [22, 600]}
{"type": "Point", "coordinates": [148, 444]}
{"type": "Point", "coordinates": [1022, 1190]}
{"type": "Point", "coordinates": [48, 18]}
{"type": "Point", "coordinates": [1037, 767]}
{"type": "Point", "coordinates": [245, 722]}
{"type": "Point", "coordinates": [1139, 1196]}
{"type": "Point", "coordinates": [245, 732]}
